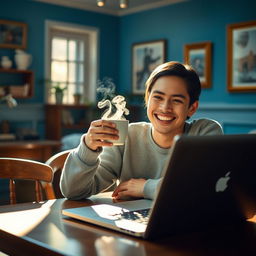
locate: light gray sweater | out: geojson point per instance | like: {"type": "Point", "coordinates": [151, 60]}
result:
{"type": "Point", "coordinates": [87, 172]}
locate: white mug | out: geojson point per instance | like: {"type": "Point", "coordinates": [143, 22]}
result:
{"type": "Point", "coordinates": [122, 127]}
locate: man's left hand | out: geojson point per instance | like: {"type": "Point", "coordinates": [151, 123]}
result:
{"type": "Point", "coordinates": [129, 188]}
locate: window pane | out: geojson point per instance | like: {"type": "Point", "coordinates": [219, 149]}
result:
{"type": "Point", "coordinates": [59, 71]}
{"type": "Point", "coordinates": [72, 72]}
{"type": "Point", "coordinates": [80, 73]}
{"type": "Point", "coordinates": [80, 56]}
{"type": "Point", "coordinates": [76, 72]}
{"type": "Point", "coordinates": [59, 48]}
{"type": "Point", "coordinates": [72, 48]}
{"type": "Point", "coordinates": [80, 88]}
{"type": "Point", "coordinates": [72, 88]}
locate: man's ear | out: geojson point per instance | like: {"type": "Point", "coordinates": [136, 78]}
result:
{"type": "Point", "coordinates": [193, 108]}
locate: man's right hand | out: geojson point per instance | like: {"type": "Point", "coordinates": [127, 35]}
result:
{"type": "Point", "coordinates": [99, 132]}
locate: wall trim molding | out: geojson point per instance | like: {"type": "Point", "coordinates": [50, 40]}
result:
{"type": "Point", "coordinates": [232, 117]}
{"type": "Point", "coordinates": [225, 106]}
{"type": "Point", "coordinates": [24, 113]}
{"type": "Point", "coordinates": [240, 117]}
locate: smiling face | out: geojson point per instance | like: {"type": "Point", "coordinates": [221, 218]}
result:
{"type": "Point", "coordinates": [168, 108]}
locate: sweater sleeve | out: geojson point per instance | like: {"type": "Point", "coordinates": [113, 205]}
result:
{"type": "Point", "coordinates": [203, 127]}
{"type": "Point", "coordinates": [84, 174]}
{"type": "Point", "coordinates": [151, 187]}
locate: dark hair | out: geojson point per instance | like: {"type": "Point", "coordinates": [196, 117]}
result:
{"type": "Point", "coordinates": [173, 68]}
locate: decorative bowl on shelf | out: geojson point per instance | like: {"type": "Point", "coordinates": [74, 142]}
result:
{"type": "Point", "coordinates": [6, 62]}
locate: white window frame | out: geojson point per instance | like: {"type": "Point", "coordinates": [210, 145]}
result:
{"type": "Point", "coordinates": [93, 61]}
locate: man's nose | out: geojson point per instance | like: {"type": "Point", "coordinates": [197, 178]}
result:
{"type": "Point", "coordinates": [166, 105]}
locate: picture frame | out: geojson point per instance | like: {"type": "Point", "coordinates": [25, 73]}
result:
{"type": "Point", "coordinates": [199, 56]}
{"type": "Point", "coordinates": [241, 59]}
{"type": "Point", "coordinates": [146, 56]}
{"type": "Point", "coordinates": [13, 34]}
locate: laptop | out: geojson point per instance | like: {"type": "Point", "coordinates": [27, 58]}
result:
{"type": "Point", "coordinates": [208, 181]}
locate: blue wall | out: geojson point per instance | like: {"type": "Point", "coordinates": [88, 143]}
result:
{"type": "Point", "coordinates": [35, 14]}
{"type": "Point", "coordinates": [182, 23]}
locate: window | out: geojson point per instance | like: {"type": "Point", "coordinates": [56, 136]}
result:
{"type": "Point", "coordinates": [71, 61]}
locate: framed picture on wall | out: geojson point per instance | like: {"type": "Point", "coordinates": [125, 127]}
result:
{"type": "Point", "coordinates": [13, 34]}
{"type": "Point", "coordinates": [146, 57]}
{"type": "Point", "coordinates": [199, 56]}
{"type": "Point", "coordinates": [241, 64]}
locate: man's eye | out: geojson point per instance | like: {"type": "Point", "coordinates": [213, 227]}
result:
{"type": "Point", "coordinates": [177, 101]}
{"type": "Point", "coordinates": [157, 97]}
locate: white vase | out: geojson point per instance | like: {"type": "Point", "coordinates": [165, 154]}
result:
{"type": "Point", "coordinates": [58, 97]}
{"type": "Point", "coordinates": [6, 62]}
{"type": "Point", "coordinates": [22, 59]}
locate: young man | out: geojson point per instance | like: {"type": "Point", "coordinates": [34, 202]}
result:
{"type": "Point", "coordinates": [171, 97]}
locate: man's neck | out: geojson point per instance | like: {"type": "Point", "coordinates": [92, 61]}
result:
{"type": "Point", "coordinates": [162, 140]}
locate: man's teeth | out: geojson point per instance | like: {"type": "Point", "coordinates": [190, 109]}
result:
{"type": "Point", "coordinates": [164, 118]}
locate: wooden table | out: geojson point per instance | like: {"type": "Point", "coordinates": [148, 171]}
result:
{"type": "Point", "coordinates": [40, 229]}
{"type": "Point", "coordinates": [39, 150]}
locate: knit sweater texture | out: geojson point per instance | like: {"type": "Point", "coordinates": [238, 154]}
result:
{"type": "Point", "coordinates": [88, 172]}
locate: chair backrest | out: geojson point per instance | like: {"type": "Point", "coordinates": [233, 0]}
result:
{"type": "Point", "coordinates": [57, 162]}
{"type": "Point", "coordinates": [17, 168]}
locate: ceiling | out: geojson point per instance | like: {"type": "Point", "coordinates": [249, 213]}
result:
{"type": "Point", "coordinates": [112, 6]}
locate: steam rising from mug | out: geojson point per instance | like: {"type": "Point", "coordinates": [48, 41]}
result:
{"type": "Point", "coordinates": [116, 108]}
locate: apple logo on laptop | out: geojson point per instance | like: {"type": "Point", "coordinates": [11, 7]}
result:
{"type": "Point", "coordinates": [221, 183]}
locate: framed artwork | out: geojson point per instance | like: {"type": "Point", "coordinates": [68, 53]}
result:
{"type": "Point", "coordinates": [199, 56]}
{"type": "Point", "coordinates": [146, 57]}
{"type": "Point", "coordinates": [241, 64]}
{"type": "Point", "coordinates": [13, 34]}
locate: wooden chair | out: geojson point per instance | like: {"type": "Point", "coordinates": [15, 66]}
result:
{"type": "Point", "coordinates": [17, 168]}
{"type": "Point", "coordinates": [57, 162]}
